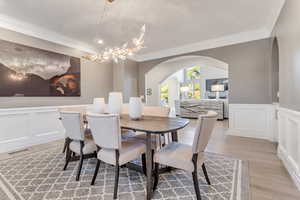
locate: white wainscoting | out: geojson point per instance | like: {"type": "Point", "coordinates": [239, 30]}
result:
{"type": "Point", "coordinates": [289, 142]}
{"type": "Point", "coordinates": [23, 127]}
{"type": "Point", "coordinates": [253, 120]}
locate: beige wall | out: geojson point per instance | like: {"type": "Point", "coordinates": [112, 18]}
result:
{"type": "Point", "coordinates": [250, 73]}
{"type": "Point", "coordinates": [287, 31]}
{"type": "Point", "coordinates": [96, 79]}
{"type": "Point", "coordinates": [125, 78]}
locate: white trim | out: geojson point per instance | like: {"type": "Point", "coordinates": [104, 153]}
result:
{"type": "Point", "coordinates": [208, 44]}
{"type": "Point", "coordinates": [289, 142]}
{"type": "Point", "coordinates": [252, 120]}
{"type": "Point", "coordinates": [274, 16]}
{"type": "Point", "coordinates": [237, 38]}
{"type": "Point", "coordinates": [44, 34]}
{"type": "Point", "coordinates": [290, 165]}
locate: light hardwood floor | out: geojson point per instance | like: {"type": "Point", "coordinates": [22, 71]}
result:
{"type": "Point", "coordinates": [268, 178]}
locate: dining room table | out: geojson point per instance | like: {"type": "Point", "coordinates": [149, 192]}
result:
{"type": "Point", "coordinates": [150, 125]}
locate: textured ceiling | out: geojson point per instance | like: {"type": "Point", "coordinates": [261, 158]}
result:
{"type": "Point", "coordinates": [169, 23]}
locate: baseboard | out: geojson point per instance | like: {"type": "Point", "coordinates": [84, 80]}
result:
{"type": "Point", "coordinates": [290, 165]}
{"type": "Point", "coordinates": [248, 134]}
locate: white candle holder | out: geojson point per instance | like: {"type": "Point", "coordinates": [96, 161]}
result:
{"type": "Point", "coordinates": [98, 105]}
{"type": "Point", "coordinates": [115, 102]}
{"type": "Point", "coordinates": [135, 108]}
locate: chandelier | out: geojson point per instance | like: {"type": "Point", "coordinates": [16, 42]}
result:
{"type": "Point", "coordinates": [122, 52]}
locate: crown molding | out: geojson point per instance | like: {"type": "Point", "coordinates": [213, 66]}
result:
{"type": "Point", "coordinates": [44, 34]}
{"type": "Point", "coordinates": [242, 37]}
{"type": "Point", "coordinates": [51, 36]}
{"type": "Point", "coordinates": [207, 44]}
{"type": "Point", "coordinates": [274, 16]}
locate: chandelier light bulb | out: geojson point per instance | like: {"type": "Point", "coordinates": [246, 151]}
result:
{"type": "Point", "coordinates": [100, 41]}
{"type": "Point", "coordinates": [122, 52]}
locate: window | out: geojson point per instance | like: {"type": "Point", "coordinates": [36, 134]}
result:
{"type": "Point", "coordinates": [193, 73]}
{"type": "Point", "coordinates": [192, 81]}
{"type": "Point", "coordinates": [164, 94]}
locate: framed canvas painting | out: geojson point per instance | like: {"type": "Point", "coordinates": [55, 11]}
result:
{"type": "Point", "coordinates": [31, 72]}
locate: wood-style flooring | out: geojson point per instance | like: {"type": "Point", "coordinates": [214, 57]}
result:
{"type": "Point", "coordinates": [268, 178]}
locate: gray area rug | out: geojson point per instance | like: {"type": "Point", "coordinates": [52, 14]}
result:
{"type": "Point", "coordinates": [39, 175]}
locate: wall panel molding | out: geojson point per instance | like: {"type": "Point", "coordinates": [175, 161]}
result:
{"type": "Point", "coordinates": [24, 127]}
{"type": "Point", "coordinates": [253, 120]}
{"type": "Point", "coordinates": [289, 142]}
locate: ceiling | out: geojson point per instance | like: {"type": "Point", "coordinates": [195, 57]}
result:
{"type": "Point", "coordinates": [173, 26]}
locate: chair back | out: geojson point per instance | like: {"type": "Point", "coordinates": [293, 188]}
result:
{"type": "Point", "coordinates": [156, 111]}
{"type": "Point", "coordinates": [204, 129]}
{"type": "Point", "coordinates": [105, 130]}
{"type": "Point", "coordinates": [73, 124]}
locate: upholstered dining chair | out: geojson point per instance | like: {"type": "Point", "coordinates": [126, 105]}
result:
{"type": "Point", "coordinates": [154, 111]}
{"type": "Point", "coordinates": [186, 157]}
{"type": "Point", "coordinates": [157, 141]}
{"type": "Point", "coordinates": [113, 150]}
{"type": "Point", "coordinates": [87, 132]}
{"type": "Point", "coordinates": [78, 144]}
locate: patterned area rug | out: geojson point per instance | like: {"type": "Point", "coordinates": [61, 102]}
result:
{"type": "Point", "coordinates": [39, 175]}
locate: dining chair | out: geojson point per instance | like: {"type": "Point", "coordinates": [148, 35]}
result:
{"type": "Point", "coordinates": [157, 141]}
{"type": "Point", "coordinates": [187, 157]}
{"type": "Point", "coordinates": [87, 132]}
{"type": "Point", "coordinates": [154, 111]}
{"type": "Point", "coordinates": [78, 144]}
{"type": "Point", "coordinates": [113, 150]}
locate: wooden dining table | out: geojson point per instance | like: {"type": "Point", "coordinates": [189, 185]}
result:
{"type": "Point", "coordinates": [150, 125]}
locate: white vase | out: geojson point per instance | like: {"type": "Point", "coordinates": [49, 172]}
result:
{"type": "Point", "coordinates": [135, 108]}
{"type": "Point", "coordinates": [98, 105]}
{"type": "Point", "coordinates": [115, 102]}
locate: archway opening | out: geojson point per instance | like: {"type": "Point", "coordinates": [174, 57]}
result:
{"type": "Point", "coordinates": [275, 70]}
{"type": "Point", "coordinates": [161, 72]}
{"type": "Point", "coordinates": [193, 83]}
{"type": "Point", "coordinates": [187, 78]}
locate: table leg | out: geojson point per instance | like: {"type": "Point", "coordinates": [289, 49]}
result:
{"type": "Point", "coordinates": [174, 136]}
{"type": "Point", "coordinates": [149, 166]}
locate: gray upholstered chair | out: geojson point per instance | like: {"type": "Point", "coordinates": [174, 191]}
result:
{"type": "Point", "coordinates": [107, 135]}
{"type": "Point", "coordinates": [154, 111]}
{"type": "Point", "coordinates": [157, 140]}
{"type": "Point", "coordinates": [186, 157]}
{"type": "Point", "coordinates": [78, 144]}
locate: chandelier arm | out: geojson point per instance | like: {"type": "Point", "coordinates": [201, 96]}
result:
{"type": "Point", "coordinates": [118, 53]}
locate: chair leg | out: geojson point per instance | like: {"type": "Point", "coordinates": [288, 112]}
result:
{"type": "Point", "coordinates": [96, 172]}
{"type": "Point", "coordinates": [66, 144]}
{"type": "Point", "coordinates": [195, 177]}
{"type": "Point", "coordinates": [144, 164]}
{"type": "Point", "coordinates": [152, 156]}
{"type": "Point", "coordinates": [205, 174]}
{"type": "Point", "coordinates": [79, 167]}
{"type": "Point", "coordinates": [117, 170]}
{"type": "Point", "coordinates": [156, 176]}
{"type": "Point", "coordinates": [196, 185]}
{"type": "Point", "coordinates": [68, 157]}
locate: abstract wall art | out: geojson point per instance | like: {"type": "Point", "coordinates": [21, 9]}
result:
{"type": "Point", "coordinates": [31, 72]}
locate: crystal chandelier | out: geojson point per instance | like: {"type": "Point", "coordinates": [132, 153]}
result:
{"type": "Point", "coordinates": [18, 76]}
{"type": "Point", "coordinates": [119, 53]}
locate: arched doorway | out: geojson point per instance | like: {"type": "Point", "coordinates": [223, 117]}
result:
{"type": "Point", "coordinates": [275, 70]}
{"type": "Point", "coordinates": [164, 70]}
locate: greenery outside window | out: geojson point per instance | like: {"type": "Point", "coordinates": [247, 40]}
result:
{"type": "Point", "coordinates": [192, 81]}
